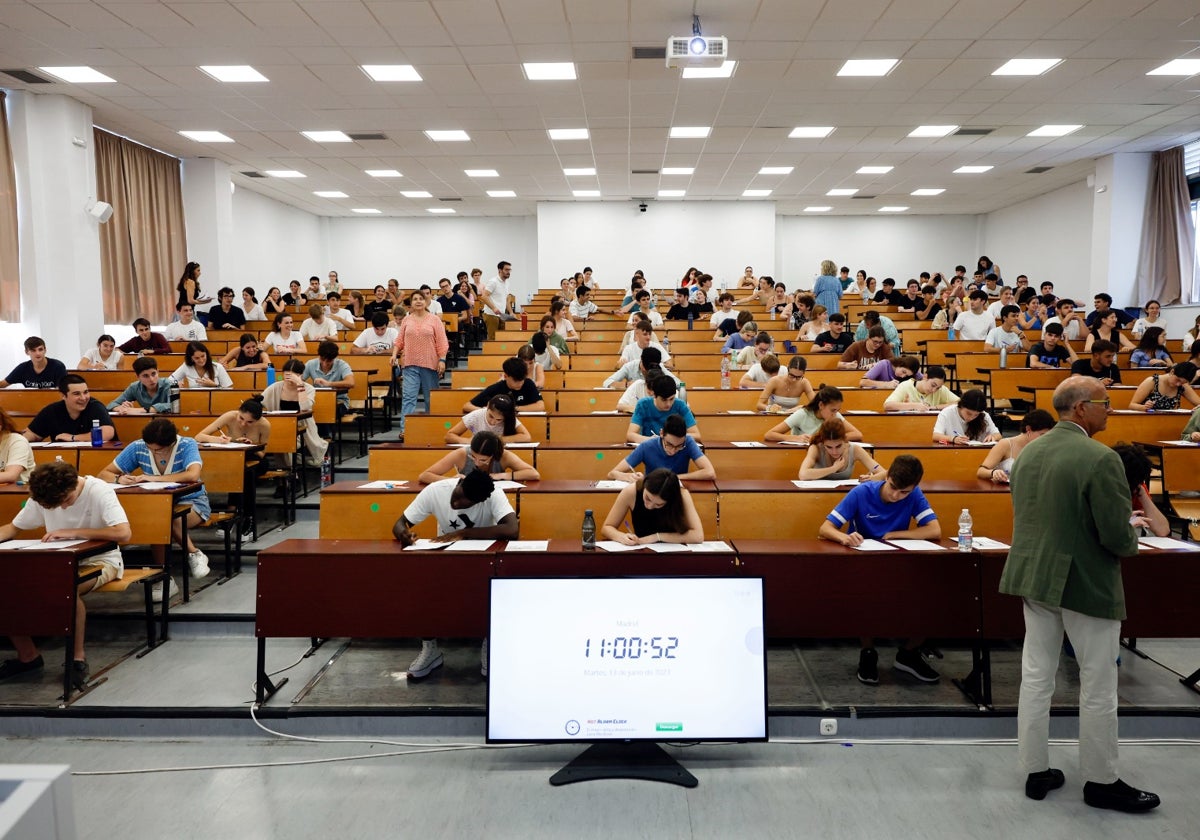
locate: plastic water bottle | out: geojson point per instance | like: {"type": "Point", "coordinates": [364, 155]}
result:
{"type": "Point", "coordinates": [965, 535]}
{"type": "Point", "coordinates": [1003, 356]}
{"type": "Point", "coordinates": [270, 375]}
{"type": "Point", "coordinates": [524, 320]}
{"type": "Point", "coordinates": [589, 531]}
{"type": "Point", "coordinates": [950, 334]}
{"type": "Point", "coordinates": [691, 318]}
{"type": "Point", "coordinates": [681, 391]}
{"type": "Point", "coordinates": [97, 435]}
{"type": "Point", "coordinates": [326, 471]}
{"type": "Point", "coordinates": [725, 364]}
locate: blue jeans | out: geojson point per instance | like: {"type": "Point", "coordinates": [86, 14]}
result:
{"type": "Point", "coordinates": [415, 380]}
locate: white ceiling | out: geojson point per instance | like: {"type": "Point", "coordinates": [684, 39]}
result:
{"type": "Point", "coordinates": [469, 53]}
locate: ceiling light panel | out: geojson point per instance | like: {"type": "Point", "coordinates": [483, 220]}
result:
{"type": "Point", "coordinates": [1054, 131]}
{"type": "Point", "coordinates": [207, 136]}
{"type": "Point", "coordinates": [481, 173]}
{"type": "Point", "coordinates": [366, 211]}
{"type": "Point", "coordinates": [1026, 66]}
{"type": "Point", "coordinates": [448, 136]}
{"type": "Point", "coordinates": [818, 208]}
{"type": "Point", "coordinates": [874, 170]}
{"type": "Point", "coordinates": [441, 211]}
{"type": "Point", "coordinates": [78, 75]}
{"type": "Point", "coordinates": [586, 193]}
{"type": "Point", "coordinates": [927, 191]}
{"type": "Point", "coordinates": [416, 193]}
{"type": "Point", "coordinates": [391, 72]}
{"type": "Point", "coordinates": [501, 194]}
{"type": "Point", "coordinates": [776, 170]}
{"type": "Point", "coordinates": [327, 136]}
{"type": "Point", "coordinates": [233, 73]}
{"type": "Point", "coordinates": [892, 209]}
{"type": "Point", "coordinates": [285, 173]}
{"type": "Point", "coordinates": [677, 170]}
{"type": "Point", "coordinates": [973, 170]}
{"type": "Point", "coordinates": [1178, 67]}
{"type": "Point", "coordinates": [810, 132]}
{"type": "Point", "coordinates": [672, 193]}
{"type": "Point", "coordinates": [330, 194]}
{"type": "Point", "coordinates": [841, 192]}
{"type": "Point", "coordinates": [868, 67]}
{"type": "Point", "coordinates": [567, 133]}
{"type": "Point", "coordinates": [755, 193]}
{"type": "Point", "coordinates": [549, 71]}
{"type": "Point", "coordinates": [690, 132]}
{"type": "Point", "coordinates": [579, 171]}
{"type": "Point", "coordinates": [724, 71]}
{"type": "Point", "coordinates": [383, 173]}
{"type": "Point", "coordinates": [932, 130]}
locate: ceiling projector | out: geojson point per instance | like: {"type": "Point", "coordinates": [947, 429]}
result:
{"type": "Point", "coordinates": [697, 51]}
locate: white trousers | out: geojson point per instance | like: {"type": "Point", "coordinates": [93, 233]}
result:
{"type": "Point", "coordinates": [1097, 645]}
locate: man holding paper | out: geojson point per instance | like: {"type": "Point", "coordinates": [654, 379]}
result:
{"type": "Point", "coordinates": [471, 508]}
{"type": "Point", "coordinates": [885, 510]}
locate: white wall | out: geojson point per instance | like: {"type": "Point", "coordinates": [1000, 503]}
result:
{"type": "Point", "coordinates": [883, 246]}
{"type": "Point", "coordinates": [1122, 184]}
{"type": "Point", "coordinates": [721, 238]}
{"type": "Point", "coordinates": [272, 244]}
{"type": "Point", "coordinates": [365, 252]}
{"type": "Point", "coordinates": [1047, 238]}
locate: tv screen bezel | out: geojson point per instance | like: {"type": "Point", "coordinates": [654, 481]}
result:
{"type": "Point", "coordinates": [731, 739]}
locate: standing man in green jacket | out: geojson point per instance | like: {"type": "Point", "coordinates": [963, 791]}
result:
{"type": "Point", "coordinates": [1073, 522]}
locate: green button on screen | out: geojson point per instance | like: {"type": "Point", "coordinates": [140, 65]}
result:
{"type": "Point", "coordinates": [668, 727]}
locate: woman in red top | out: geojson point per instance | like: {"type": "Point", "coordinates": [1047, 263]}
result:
{"type": "Point", "coordinates": [420, 352]}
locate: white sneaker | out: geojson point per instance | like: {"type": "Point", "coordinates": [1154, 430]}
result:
{"type": "Point", "coordinates": [156, 594]}
{"type": "Point", "coordinates": [428, 659]}
{"type": "Point", "coordinates": [483, 657]}
{"type": "Point", "coordinates": [198, 564]}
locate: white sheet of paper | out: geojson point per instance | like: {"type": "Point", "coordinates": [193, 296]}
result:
{"type": "Point", "coordinates": [64, 444]}
{"type": "Point", "coordinates": [988, 542]}
{"type": "Point", "coordinates": [382, 485]}
{"type": "Point", "coordinates": [711, 546]}
{"type": "Point", "coordinates": [528, 545]}
{"type": "Point", "coordinates": [470, 545]}
{"type": "Point", "coordinates": [17, 545]}
{"type": "Point", "coordinates": [668, 548]}
{"type": "Point", "coordinates": [874, 545]}
{"type": "Point", "coordinates": [982, 443]}
{"type": "Point", "coordinates": [614, 411]}
{"type": "Point", "coordinates": [425, 545]}
{"type": "Point", "coordinates": [918, 545]}
{"type": "Point", "coordinates": [530, 445]}
{"type": "Point", "coordinates": [150, 485]}
{"type": "Point", "coordinates": [277, 413]}
{"type": "Point", "coordinates": [613, 545]}
{"type": "Point", "coordinates": [824, 483]}
{"type": "Point", "coordinates": [505, 484]}
{"type": "Point", "coordinates": [740, 411]}
{"type": "Point", "coordinates": [230, 445]}
{"type": "Point", "coordinates": [38, 545]}
{"type": "Point", "coordinates": [610, 484]}
{"type": "Point", "coordinates": [1167, 542]}
{"type": "Point", "coordinates": [793, 443]}
{"type": "Point", "coordinates": [749, 444]}
{"type": "Point", "coordinates": [1179, 443]}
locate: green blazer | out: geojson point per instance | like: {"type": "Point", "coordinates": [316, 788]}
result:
{"type": "Point", "coordinates": [1071, 509]}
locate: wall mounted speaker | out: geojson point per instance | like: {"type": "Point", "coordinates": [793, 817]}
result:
{"type": "Point", "coordinates": [102, 211]}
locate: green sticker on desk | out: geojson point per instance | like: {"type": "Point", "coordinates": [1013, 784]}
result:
{"type": "Point", "coordinates": [595, 361]}
{"type": "Point", "coordinates": [591, 400]}
{"type": "Point", "coordinates": [483, 379]}
{"type": "Point", "coordinates": [599, 456]}
{"type": "Point", "coordinates": [375, 508]}
{"type": "Point", "coordinates": [446, 425]}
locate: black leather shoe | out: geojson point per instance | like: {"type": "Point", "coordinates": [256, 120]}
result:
{"type": "Point", "coordinates": [79, 674]}
{"type": "Point", "coordinates": [1037, 785]}
{"type": "Point", "coordinates": [15, 667]}
{"type": "Point", "coordinates": [1119, 797]}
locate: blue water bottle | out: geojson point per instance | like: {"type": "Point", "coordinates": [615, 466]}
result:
{"type": "Point", "coordinates": [97, 435]}
{"type": "Point", "coordinates": [691, 317]}
{"type": "Point", "coordinates": [270, 375]}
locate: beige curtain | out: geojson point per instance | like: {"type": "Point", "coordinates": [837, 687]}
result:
{"type": "Point", "coordinates": [1167, 258]}
{"type": "Point", "coordinates": [142, 247]}
{"type": "Point", "coordinates": [10, 264]}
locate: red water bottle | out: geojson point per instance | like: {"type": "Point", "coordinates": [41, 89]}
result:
{"type": "Point", "coordinates": [524, 320]}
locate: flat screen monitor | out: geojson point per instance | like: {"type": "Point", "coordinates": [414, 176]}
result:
{"type": "Point", "coordinates": [626, 659]}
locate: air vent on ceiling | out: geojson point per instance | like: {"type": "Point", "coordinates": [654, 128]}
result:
{"type": "Point", "coordinates": [657, 53]}
{"type": "Point", "coordinates": [644, 172]}
{"type": "Point", "coordinates": [973, 132]}
{"type": "Point", "coordinates": [868, 197]}
{"type": "Point", "coordinates": [253, 174]}
{"type": "Point", "coordinates": [1038, 170]}
{"type": "Point", "coordinates": [456, 198]}
{"type": "Point", "coordinates": [366, 135]}
{"type": "Point", "coordinates": [27, 77]}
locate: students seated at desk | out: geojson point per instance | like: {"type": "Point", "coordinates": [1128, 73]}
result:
{"type": "Point", "coordinates": [643, 337]}
{"type": "Point", "coordinates": [226, 316]}
{"type": "Point", "coordinates": [485, 452]}
{"type": "Point", "coordinates": [187, 328]}
{"type": "Point", "coordinates": [544, 353]}
{"type": "Point", "coordinates": [784, 391]}
{"type": "Point", "coordinates": [1100, 364]}
{"type": "Point", "coordinates": [145, 342]}
{"type": "Point", "coordinates": [656, 509]}
{"type": "Point", "coordinates": [468, 508]}
{"type": "Point", "coordinates": [328, 371]}
{"type": "Point", "coordinates": [803, 423]}
{"type": "Point", "coordinates": [147, 394]}
{"type": "Point", "coordinates": [1052, 350]}
{"type": "Point", "coordinates": [1151, 350]}
{"type": "Point", "coordinates": [759, 373]}
{"type": "Point", "coordinates": [318, 326]}
{"type": "Point", "coordinates": [885, 510]}
{"type": "Point", "coordinates": [499, 417]}
{"type": "Point", "coordinates": [104, 356]}
{"type": "Point", "coordinates": [244, 425]}
{"type": "Point", "coordinates": [633, 371]}
{"type": "Point", "coordinates": [343, 319]}
{"type": "Point", "coordinates": [16, 456]}
{"type": "Point", "coordinates": [200, 371]}
{"type": "Point", "coordinates": [71, 418]}
{"type": "Point", "coordinates": [1137, 472]}
{"type": "Point", "coordinates": [247, 355]}
{"type": "Point", "coordinates": [887, 375]}
{"type": "Point", "coordinates": [534, 371]}
{"type": "Point", "coordinates": [39, 372]}
{"type": "Point", "coordinates": [966, 421]}
{"type": "Point", "coordinates": [1166, 391]}
{"type": "Point", "coordinates": [747, 357]}
{"type": "Point", "coordinates": [283, 339]}
{"type": "Point", "coordinates": [652, 411]}
{"type": "Point", "coordinates": [928, 394]}
{"type": "Point", "coordinates": [1191, 432]}
{"type": "Point", "coordinates": [70, 507]}
{"type": "Point", "coordinates": [292, 393]}
{"type": "Point", "coordinates": [549, 328]}
{"type": "Point", "coordinates": [515, 383]}
{"type": "Point", "coordinates": [831, 456]}
{"type": "Point", "coordinates": [861, 355]}
{"type": "Point", "coordinates": [162, 455]}
{"type": "Point", "coordinates": [673, 449]}
{"type": "Point", "coordinates": [997, 466]}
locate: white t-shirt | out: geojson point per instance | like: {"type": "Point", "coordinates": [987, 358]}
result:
{"type": "Point", "coordinates": [656, 320]}
{"type": "Point", "coordinates": [498, 290]}
{"type": "Point", "coordinates": [434, 501]}
{"type": "Point", "coordinates": [950, 423]}
{"type": "Point", "coordinates": [998, 337]}
{"type": "Point", "coordinates": [15, 449]}
{"type": "Point", "coordinates": [255, 314]}
{"type": "Point", "coordinates": [1070, 332]}
{"type": "Point", "coordinates": [175, 331]}
{"type": "Point", "coordinates": [476, 421]}
{"type": "Point", "coordinates": [757, 374]}
{"type": "Point", "coordinates": [633, 353]}
{"type": "Point", "coordinates": [189, 374]}
{"type": "Point", "coordinates": [341, 319]}
{"type": "Point", "coordinates": [274, 341]}
{"type": "Point", "coordinates": [637, 390]}
{"type": "Point", "coordinates": [96, 507]}
{"type": "Point", "coordinates": [549, 359]}
{"type": "Point", "coordinates": [582, 310]}
{"type": "Point", "coordinates": [378, 343]}
{"type": "Point", "coordinates": [972, 327]}
{"type": "Point", "coordinates": [994, 309]}
{"type": "Point", "coordinates": [719, 317]}
{"type": "Point", "coordinates": [312, 331]}
{"type": "Point", "coordinates": [433, 306]}
{"type": "Point", "coordinates": [113, 362]}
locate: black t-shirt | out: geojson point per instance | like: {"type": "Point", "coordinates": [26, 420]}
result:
{"type": "Point", "coordinates": [217, 317]}
{"type": "Point", "coordinates": [528, 395]}
{"type": "Point", "coordinates": [841, 343]}
{"type": "Point", "coordinates": [898, 298]}
{"type": "Point", "coordinates": [1083, 367]}
{"type": "Point", "coordinates": [53, 420]}
{"type": "Point", "coordinates": [454, 303]}
{"type": "Point", "coordinates": [1053, 357]}
{"type": "Point", "coordinates": [291, 299]}
{"type": "Point", "coordinates": [24, 374]}
{"type": "Point", "coordinates": [937, 307]}
{"type": "Point", "coordinates": [679, 312]}
{"type": "Point", "coordinates": [705, 308]}
{"type": "Point", "coordinates": [882, 297]}
{"type": "Point", "coordinates": [384, 306]}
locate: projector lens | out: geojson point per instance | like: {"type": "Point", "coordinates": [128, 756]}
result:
{"type": "Point", "coordinates": [698, 46]}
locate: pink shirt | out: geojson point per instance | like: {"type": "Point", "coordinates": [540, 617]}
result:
{"type": "Point", "coordinates": [422, 341]}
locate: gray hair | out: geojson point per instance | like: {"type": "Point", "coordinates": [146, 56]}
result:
{"type": "Point", "coordinates": [1072, 391]}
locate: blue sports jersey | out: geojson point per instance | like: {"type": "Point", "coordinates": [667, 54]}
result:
{"type": "Point", "coordinates": [869, 515]}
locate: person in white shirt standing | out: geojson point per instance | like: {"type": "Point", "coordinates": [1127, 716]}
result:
{"type": "Point", "coordinates": [498, 303]}
{"type": "Point", "coordinates": [187, 328]}
{"type": "Point", "coordinates": [974, 324]}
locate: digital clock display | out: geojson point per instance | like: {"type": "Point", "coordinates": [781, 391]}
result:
{"type": "Point", "coordinates": [631, 647]}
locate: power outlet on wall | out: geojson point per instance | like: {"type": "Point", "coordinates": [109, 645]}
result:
{"type": "Point", "coordinates": [828, 726]}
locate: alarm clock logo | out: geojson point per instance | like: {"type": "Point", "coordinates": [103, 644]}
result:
{"type": "Point", "coordinates": [572, 727]}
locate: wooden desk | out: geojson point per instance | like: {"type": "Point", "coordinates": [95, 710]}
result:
{"type": "Point", "coordinates": [77, 453]}
{"type": "Point", "coordinates": [1180, 464]}
{"type": "Point", "coordinates": [554, 509]}
{"type": "Point", "coordinates": [349, 512]}
{"type": "Point", "coordinates": [566, 557]}
{"type": "Point", "coordinates": [284, 427]}
{"type": "Point", "coordinates": [28, 400]}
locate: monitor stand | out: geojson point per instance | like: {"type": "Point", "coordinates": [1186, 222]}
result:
{"type": "Point", "coordinates": [643, 760]}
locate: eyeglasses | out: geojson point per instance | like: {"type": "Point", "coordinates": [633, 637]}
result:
{"type": "Point", "coordinates": [1105, 402]}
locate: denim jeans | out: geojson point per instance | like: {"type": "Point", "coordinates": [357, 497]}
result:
{"type": "Point", "coordinates": [415, 380]}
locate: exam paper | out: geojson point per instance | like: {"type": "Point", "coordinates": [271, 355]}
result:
{"type": "Point", "coordinates": [613, 545]}
{"type": "Point", "coordinates": [611, 484]}
{"type": "Point", "coordinates": [150, 485]}
{"type": "Point", "coordinates": [1167, 542]}
{"type": "Point", "coordinates": [382, 485]}
{"type": "Point", "coordinates": [229, 445]}
{"type": "Point", "coordinates": [505, 484]}
{"type": "Point", "coordinates": [874, 545]}
{"type": "Point", "coordinates": [918, 545]}
{"type": "Point", "coordinates": [425, 545]}
{"type": "Point", "coordinates": [528, 545]}
{"type": "Point", "coordinates": [470, 545]}
{"type": "Point", "coordinates": [711, 546]}
{"type": "Point", "coordinates": [824, 483]}
{"type": "Point", "coordinates": [987, 542]}
{"type": "Point", "coordinates": [38, 545]}
{"type": "Point", "coordinates": [749, 444]}
{"type": "Point", "coordinates": [668, 548]}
